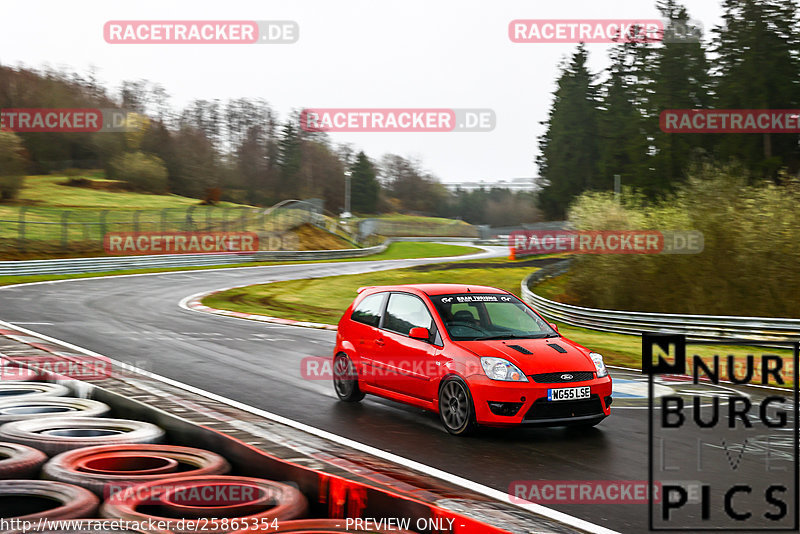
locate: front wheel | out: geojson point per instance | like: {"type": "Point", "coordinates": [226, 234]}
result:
{"type": "Point", "coordinates": [456, 409]}
{"type": "Point", "coordinates": [345, 379]}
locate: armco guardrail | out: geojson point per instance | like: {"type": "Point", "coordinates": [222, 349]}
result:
{"type": "Point", "coordinates": [696, 327]}
{"type": "Point", "coordinates": [168, 261]}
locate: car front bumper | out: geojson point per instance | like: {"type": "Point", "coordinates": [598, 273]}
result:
{"type": "Point", "coordinates": [495, 401]}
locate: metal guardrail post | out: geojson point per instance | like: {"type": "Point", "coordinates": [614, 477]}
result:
{"type": "Point", "coordinates": [21, 228]}
{"type": "Point", "coordinates": [188, 223]}
{"type": "Point", "coordinates": [103, 216]}
{"type": "Point", "coordinates": [65, 229]}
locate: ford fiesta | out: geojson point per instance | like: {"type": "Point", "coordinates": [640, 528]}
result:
{"type": "Point", "coordinates": [476, 355]}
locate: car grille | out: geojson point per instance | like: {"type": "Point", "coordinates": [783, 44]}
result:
{"type": "Point", "coordinates": [544, 409]}
{"type": "Point", "coordinates": [554, 378]}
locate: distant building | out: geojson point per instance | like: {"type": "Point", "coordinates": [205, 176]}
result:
{"type": "Point", "coordinates": [515, 184]}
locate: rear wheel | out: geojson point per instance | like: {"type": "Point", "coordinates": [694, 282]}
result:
{"type": "Point", "coordinates": [456, 409]}
{"type": "Point", "coordinates": [345, 379]}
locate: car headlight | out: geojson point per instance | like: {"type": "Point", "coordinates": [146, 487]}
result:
{"type": "Point", "coordinates": [500, 369]}
{"type": "Point", "coordinates": [598, 364]}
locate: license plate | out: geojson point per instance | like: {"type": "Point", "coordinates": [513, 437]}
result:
{"type": "Point", "coordinates": [558, 394]}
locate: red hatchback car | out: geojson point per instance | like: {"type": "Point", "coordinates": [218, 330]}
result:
{"type": "Point", "coordinates": [477, 355]}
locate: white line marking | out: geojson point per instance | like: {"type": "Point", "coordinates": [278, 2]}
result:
{"type": "Point", "coordinates": [721, 381]}
{"type": "Point", "coordinates": [544, 511]}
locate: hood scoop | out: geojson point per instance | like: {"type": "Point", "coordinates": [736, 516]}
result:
{"type": "Point", "coordinates": [518, 348]}
{"type": "Point", "coordinates": [557, 348]}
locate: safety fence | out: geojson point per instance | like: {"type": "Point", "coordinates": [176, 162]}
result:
{"type": "Point", "coordinates": [82, 230]}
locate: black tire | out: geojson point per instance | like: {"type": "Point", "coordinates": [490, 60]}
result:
{"type": "Point", "coordinates": [20, 461]}
{"type": "Point", "coordinates": [345, 379]}
{"type": "Point", "coordinates": [58, 434]}
{"type": "Point", "coordinates": [21, 408]}
{"type": "Point", "coordinates": [71, 466]}
{"type": "Point", "coordinates": [456, 409]}
{"type": "Point", "coordinates": [38, 499]}
{"type": "Point", "coordinates": [31, 390]}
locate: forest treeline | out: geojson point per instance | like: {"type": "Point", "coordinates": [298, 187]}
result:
{"type": "Point", "coordinates": [237, 150]}
{"type": "Point", "coordinates": [607, 123]}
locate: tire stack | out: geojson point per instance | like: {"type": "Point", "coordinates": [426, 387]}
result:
{"type": "Point", "coordinates": [38, 420]}
{"type": "Point", "coordinates": [62, 458]}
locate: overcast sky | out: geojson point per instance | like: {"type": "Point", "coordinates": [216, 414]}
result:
{"type": "Point", "coordinates": [351, 53]}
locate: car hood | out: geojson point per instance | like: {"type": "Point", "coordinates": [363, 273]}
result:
{"type": "Point", "coordinates": [545, 355]}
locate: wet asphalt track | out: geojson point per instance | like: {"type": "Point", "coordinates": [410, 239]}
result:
{"type": "Point", "coordinates": [137, 320]}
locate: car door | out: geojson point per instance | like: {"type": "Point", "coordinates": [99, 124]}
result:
{"type": "Point", "coordinates": [404, 364]}
{"type": "Point", "coordinates": [365, 335]}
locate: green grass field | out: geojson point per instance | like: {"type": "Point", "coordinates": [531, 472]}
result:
{"type": "Point", "coordinates": [49, 192]}
{"type": "Point", "coordinates": [54, 213]}
{"type": "Point", "coordinates": [51, 218]}
{"type": "Point", "coordinates": [331, 295]}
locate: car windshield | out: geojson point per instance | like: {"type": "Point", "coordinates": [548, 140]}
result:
{"type": "Point", "coordinates": [477, 316]}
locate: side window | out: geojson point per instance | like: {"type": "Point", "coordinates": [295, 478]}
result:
{"type": "Point", "coordinates": [405, 312]}
{"type": "Point", "coordinates": [368, 310]}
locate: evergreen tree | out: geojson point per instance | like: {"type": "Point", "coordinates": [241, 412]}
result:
{"type": "Point", "coordinates": [757, 68]}
{"type": "Point", "coordinates": [364, 185]}
{"type": "Point", "coordinates": [622, 139]}
{"type": "Point", "coordinates": [290, 160]}
{"type": "Point", "coordinates": [569, 148]}
{"type": "Point", "coordinates": [679, 79]}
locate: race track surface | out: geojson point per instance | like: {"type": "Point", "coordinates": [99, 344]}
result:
{"type": "Point", "coordinates": [137, 320]}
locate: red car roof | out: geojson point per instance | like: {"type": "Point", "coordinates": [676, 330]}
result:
{"type": "Point", "coordinates": [437, 289]}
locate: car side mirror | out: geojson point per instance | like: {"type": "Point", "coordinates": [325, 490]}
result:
{"type": "Point", "coordinates": [554, 326]}
{"type": "Point", "coordinates": [419, 333]}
